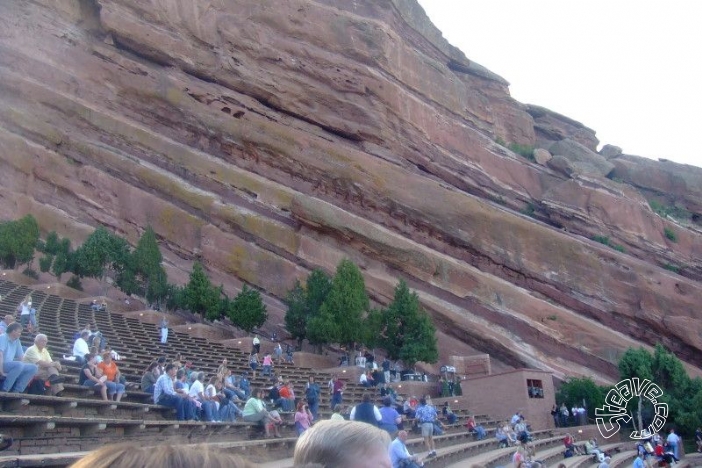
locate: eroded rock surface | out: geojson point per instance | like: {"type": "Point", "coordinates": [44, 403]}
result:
{"type": "Point", "coordinates": [268, 138]}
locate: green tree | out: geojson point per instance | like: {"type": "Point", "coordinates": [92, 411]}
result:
{"type": "Point", "coordinates": [405, 330]}
{"type": "Point", "coordinates": [52, 245]}
{"type": "Point", "coordinates": [56, 253]}
{"type": "Point", "coordinates": [247, 311]}
{"type": "Point", "coordinates": [45, 263]}
{"type": "Point", "coordinates": [666, 371]}
{"type": "Point", "coordinates": [296, 315]}
{"type": "Point", "coordinates": [373, 328]}
{"type": "Point", "coordinates": [101, 253]}
{"type": "Point", "coordinates": [637, 363]}
{"type": "Point", "coordinates": [60, 265]}
{"type": "Point", "coordinates": [143, 273]}
{"type": "Point", "coordinates": [18, 240]}
{"type": "Point", "coordinates": [578, 390]}
{"type": "Point", "coordinates": [175, 297]}
{"type": "Point", "coordinates": [199, 296]}
{"type": "Point", "coordinates": [304, 303]}
{"type": "Point", "coordinates": [341, 317]}
{"type": "Point", "coordinates": [420, 344]}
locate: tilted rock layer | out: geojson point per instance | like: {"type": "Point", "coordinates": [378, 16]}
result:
{"type": "Point", "coordinates": [269, 138]}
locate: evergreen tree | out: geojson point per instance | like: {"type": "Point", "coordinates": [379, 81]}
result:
{"type": "Point", "coordinates": [576, 390]}
{"type": "Point", "coordinates": [18, 240]}
{"type": "Point", "coordinates": [247, 311]}
{"type": "Point", "coordinates": [421, 342]}
{"type": "Point", "coordinates": [304, 304]}
{"type": "Point", "coordinates": [341, 317]}
{"type": "Point", "coordinates": [101, 253]}
{"type": "Point", "coordinates": [51, 245]}
{"type": "Point", "coordinates": [317, 290]}
{"type": "Point", "coordinates": [60, 265]}
{"type": "Point", "coordinates": [144, 274]}
{"type": "Point", "coordinates": [199, 296]}
{"type": "Point", "coordinates": [45, 263]}
{"type": "Point", "coordinates": [296, 315]}
{"type": "Point", "coordinates": [175, 297]}
{"type": "Point", "coordinates": [318, 287]}
{"type": "Point", "coordinates": [679, 391]}
{"type": "Point", "coordinates": [56, 251]}
{"type": "Point", "coordinates": [405, 330]}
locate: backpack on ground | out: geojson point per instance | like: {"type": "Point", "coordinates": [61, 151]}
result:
{"type": "Point", "coordinates": [36, 387]}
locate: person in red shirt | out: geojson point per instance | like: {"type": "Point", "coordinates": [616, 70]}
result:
{"type": "Point", "coordinates": [569, 442]}
{"type": "Point", "coordinates": [287, 397]}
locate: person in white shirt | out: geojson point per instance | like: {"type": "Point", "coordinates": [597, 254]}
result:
{"type": "Point", "coordinates": [25, 313]}
{"type": "Point", "coordinates": [80, 347]}
{"type": "Point", "coordinates": [164, 330]}
{"type": "Point", "coordinates": [673, 441]}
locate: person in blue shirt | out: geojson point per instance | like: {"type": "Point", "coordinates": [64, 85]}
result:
{"type": "Point", "coordinates": [426, 416]}
{"type": "Point", "coordinates": [638, 462]}
{"type": "Point", "coordinates": [165, 395]}
{"type": "Point", "coordinates": [17, 374]}
{"type": "Point", "coordinates": [399, 455]}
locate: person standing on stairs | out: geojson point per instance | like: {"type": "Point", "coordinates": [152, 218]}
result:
{"type": "Point", "coordinates": [164, 330]}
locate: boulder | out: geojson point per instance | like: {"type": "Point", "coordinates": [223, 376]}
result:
{"type": "Point", "coordinates": [673, 183]}
{"type": "Point", "coordinates": [610, 151]}
{"type": "Point", "coordinates": [562, 165]}
{"type": "Point", "coordinates": [551, 126]}
{"type": "Point", "coordinates": [582, 159]}
{"type": "Point", "coordinates": [542, 156]}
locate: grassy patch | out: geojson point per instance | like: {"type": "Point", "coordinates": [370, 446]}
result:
{"type": "Point", "coordinates": [604, 240]}
{"type": "Point", "coordinates": [672, 267]}
{"type": "Point", "coordinates": [526, 151]}
{"type": "Point", "coordinates": [601, 239]}
{"type": "Point", "coordinates": [670, 210]}
{"type": "Point", "coordinates": [529, 210]}
{"type": "Point", "coordinates": [670, 234]}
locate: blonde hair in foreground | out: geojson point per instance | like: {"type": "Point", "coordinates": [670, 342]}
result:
{"type": "Point", "coordinates": [160, 456]}
{"type": "Point", "coordinates": [336, 444]}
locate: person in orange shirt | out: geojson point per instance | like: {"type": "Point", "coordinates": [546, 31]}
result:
{"type": "Point", "coordinates": [108, 368]}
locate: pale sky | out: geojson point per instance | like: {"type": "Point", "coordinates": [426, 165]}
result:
{"type": "Point", "coordinates": [628, 69]}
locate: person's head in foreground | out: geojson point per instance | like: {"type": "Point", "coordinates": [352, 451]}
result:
{"type": "Point", "coordinates": [343, 444]}
{"type": "Point", "coordinates": [161, 456]}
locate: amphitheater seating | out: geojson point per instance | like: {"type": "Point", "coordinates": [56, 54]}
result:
{"type": "Point", "coordinates": [56, 431]}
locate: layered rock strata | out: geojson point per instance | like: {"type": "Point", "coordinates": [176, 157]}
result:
{"type": "Point", "coordinates": [269, 138]}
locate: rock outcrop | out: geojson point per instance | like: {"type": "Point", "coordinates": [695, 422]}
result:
{"type": "Point", "coordinates": [268, 138]}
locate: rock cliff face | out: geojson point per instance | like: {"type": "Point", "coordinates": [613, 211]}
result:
{"type": "Point", "coordinates": [268, 138]}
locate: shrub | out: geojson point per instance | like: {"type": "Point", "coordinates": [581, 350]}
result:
{"type": "Point", "coordinates": [45, 263]}
{"type": "Point", "coordinates": [604, 240]}
{"type": "Point", "coordinates": [670, 234]}
{"type": "Point", "coordinates": [619, 248]}
{"type": "Point", "coordinates": [31, 273]}
{"type": "Point", "coordinates": [672, 211]}
{"type": "Point", "coordinates": [526, 151]}
{"type": "Point", "coordinates": [671, 267]}
{"type": "Point", "coordinates": [74, 283]}
{"type": "Point", "coordinates": [529, 209]}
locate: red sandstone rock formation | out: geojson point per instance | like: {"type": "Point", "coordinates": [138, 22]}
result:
{"type": "Point", "coordinates": [268, 138]}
